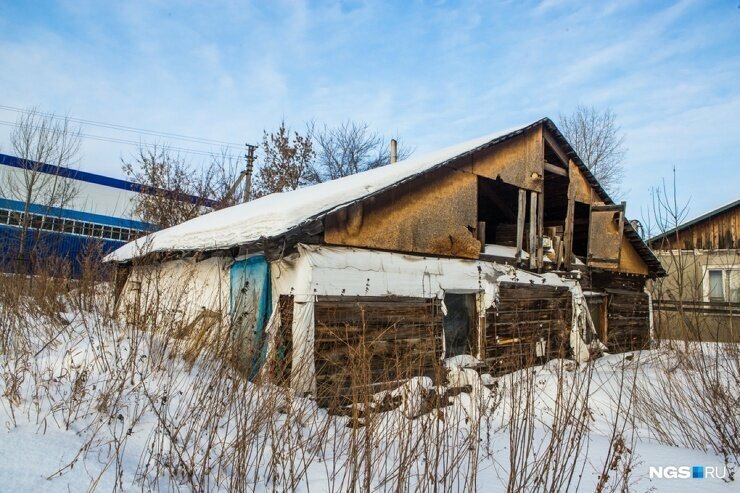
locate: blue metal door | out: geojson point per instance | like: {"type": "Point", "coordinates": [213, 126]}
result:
{"type": "Point", "coordinates": [250, 309]}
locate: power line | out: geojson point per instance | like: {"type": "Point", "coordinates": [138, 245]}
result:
{"type": "Point", "coordinates": [125, 128]}
{"type": "Point", "coordinates": [117, 140]}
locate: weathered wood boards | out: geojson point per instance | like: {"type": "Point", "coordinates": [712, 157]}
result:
{"type": "Point", "coordinates": [627, 310]}
{"type": "Point", "coordinates": [530, 324]}
{"type": "Point", "coordinates": [434, 214]}
{"type": "Point", "coordinates": [719, 231]}
{"type": "Point", "coordinates": [367, 344]}
{"type": "Point", "coordinates": [605, 236]}
{"type": "Point", "coordinates": [520, 218]}
{"type": "Point", "coordinates": [363, 343]}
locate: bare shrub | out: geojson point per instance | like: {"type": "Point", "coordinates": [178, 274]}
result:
{"type": "Point", "coordinates": [163, 388]}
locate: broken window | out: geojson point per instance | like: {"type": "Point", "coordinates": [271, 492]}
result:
{"type": "Point", "coordinates": [459, 323]}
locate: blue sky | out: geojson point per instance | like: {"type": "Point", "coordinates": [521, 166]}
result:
{"type": "Point", "coordinates": [434, 73]}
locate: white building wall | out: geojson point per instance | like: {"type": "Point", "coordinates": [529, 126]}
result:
{"type": "Point", "coordinates": [91, 197]}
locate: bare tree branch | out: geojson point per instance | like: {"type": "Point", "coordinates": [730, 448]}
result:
{"type": "Point", "coordinates": [175, 190]}
{"type": "Point", "coordinates": [351, 147]}
{"type": "Point", "coordinates": [38, 140]}
{"type": "Point", "coordinates": [598, 140]}
{"type": "Point", "coordinates": [287, 162]}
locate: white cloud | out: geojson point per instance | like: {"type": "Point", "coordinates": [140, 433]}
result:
{"type": "Point", "coordinates": [435, 74]}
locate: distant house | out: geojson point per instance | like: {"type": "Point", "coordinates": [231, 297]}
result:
{"type": "Point", "coordinates": [703, 263]}
{"type": "Point", "coordinates": [504, 250]}
{"type": "Point", "coordinates": [100, 214]}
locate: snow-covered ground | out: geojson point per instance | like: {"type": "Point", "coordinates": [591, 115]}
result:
{"type": "Point", "coordinates": [104, 407]}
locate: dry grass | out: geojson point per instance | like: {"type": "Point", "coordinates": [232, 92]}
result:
{"type": "Point", "coordinates": [169, 394]}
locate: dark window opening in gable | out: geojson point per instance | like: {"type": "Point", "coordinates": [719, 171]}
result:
{"type": "Point", "coordinates": [556, 200]}
{"type": "Point", "coordinates": [581, 215]}
{"type": "Point", "coordinates": [497, 207]}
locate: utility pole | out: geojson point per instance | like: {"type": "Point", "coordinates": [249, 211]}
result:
{"type": "Point", "coordinates": [250, 166]}
{"type": "Point", "coordinates": [247, 173]}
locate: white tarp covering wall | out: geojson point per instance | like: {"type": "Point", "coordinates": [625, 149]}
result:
{"type": "Point", "coordinates": [177, 289]}
{"type": "Point", "coordinates": [342, 271]}
{"type": "Point", "coordinates": [582, 327]}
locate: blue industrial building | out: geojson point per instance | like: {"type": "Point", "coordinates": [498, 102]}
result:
{"type": "Point", "coordinates": [100, 215]}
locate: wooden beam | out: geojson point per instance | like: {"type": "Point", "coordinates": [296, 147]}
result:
{"type": "Point", "coordinates": [601, 260]}
{"type": "Point", "coordinates": [623, 206]}
{"type": "Point", "coordinates": [540, 228]}
{"type": "Point", "coordinates": [568, 233]}
{"type": "Point", "coordinates": [607, 208]}
{"type": "Point", "coordinates": [532, 230]}
{"type": "Point", "coordinates": [558, 244]}
{"type": "Point", "coordinates": [555, 147]}
{"type": "Point", "coordinates": [482, 235]}
{"type": "Point", "coordinates": [520, 218]}
{"type": "Point", "coordinates": [553, 168]}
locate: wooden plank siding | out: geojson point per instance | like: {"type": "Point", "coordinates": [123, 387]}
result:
{"type": "Point", "coordinates": [409, 217]}
{"type": "Point", "coordinates": [718, 232]}
{"type": "Point", "coordinates": [434, 214]}
{"type": "Point", "coordinates": [628, 310]}
{"type": "Point", "coordinates": [628, 317]}
{"type": "Point", "coordinates": [366, 344]}
{"type": "Point", "coordinates": [524, 316]}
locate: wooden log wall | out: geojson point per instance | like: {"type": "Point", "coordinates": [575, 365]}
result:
{"type": "Point", "coordinates": [627, 310]}
{"type": "Point", "coordinates": [527, 316]}
{"type": "Point", "coordinates": [628, 321]}
{"type": "Point", "coordinates": [365, 344]}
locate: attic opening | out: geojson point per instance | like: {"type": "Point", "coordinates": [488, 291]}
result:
{"type": "Point", "coordinates": [554, 157]}
{"type": "Point", "coordinates": [497, 207]}
{"type": "Point", "coordinates": [556, 204]}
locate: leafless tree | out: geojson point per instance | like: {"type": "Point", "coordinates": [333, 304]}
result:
{"type": "Point", "coordinates": [287, 162]}
{"type": "Point", "coordinates": [46, 146]}
{"type": "Point", "coordinates": [349, 148]}
{"type": "Point", "coordinates": [226, 169]}
{"type": "Point", "coordinates": [176, 190]}
{"type": "Point", "coordinates": [598, 140]}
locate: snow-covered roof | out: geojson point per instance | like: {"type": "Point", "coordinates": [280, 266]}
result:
{"type": "Point", "coordinates": [278, 213]}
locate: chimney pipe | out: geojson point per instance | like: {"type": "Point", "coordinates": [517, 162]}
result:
{"type": "Point", "coordinates": [394, 151]}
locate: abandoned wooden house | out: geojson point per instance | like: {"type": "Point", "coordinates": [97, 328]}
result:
{"type": "Point", "coordinates": [700, 297]}
{"type": "Point", "coordinates": [504, 250]}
